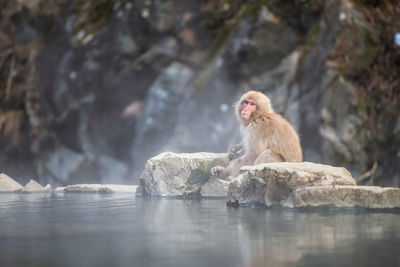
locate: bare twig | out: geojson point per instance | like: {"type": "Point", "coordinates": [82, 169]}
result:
{"type": "Point", "coordinates": [368, 174]}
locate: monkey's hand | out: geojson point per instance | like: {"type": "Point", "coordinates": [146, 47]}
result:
{"type": "Point", "coordinates": [235, 151]}
{"type": "Point", "coordinates": [216, 171]}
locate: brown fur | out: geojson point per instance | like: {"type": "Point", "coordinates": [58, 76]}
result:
{"type": "Point", "coordinates": [266, 137]}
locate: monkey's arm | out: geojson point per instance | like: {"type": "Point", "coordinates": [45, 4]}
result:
{"type": "Point", "coordinates": [235, 151]}
{"type": "Point", "coordinates": [233, 168]}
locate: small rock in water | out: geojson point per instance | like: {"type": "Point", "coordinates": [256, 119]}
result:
{"type": "Point", "coordinates": [33, 187]}
{"type": "Point", "coordinates": [8, 185]}
{"type": "Point", "coordinates": [60, 189]}
{"type": "Point", "coordinates": [48, 188]}
{"type": "Point", "coordinates": [99, 188]}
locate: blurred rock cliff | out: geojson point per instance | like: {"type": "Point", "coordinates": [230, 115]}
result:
{"type": "Point", "coordinates": [89, 90]}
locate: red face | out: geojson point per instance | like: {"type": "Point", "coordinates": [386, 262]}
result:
{"type": "Point", "coordinates": [248, 106]}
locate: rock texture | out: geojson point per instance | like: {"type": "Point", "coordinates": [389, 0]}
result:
{"type": "Point", "coordinates": [100, 188]}
{"type": "Point", "coordinates": [7, 184]}
{"type": "Point", "coordinates": [345, 196]}
{"type": "Point", "coordinates": [306, 184]}
{"type": "Point", "coordinates": [215, 188]}
{"type": "Point", "coordinates": [176, 175]}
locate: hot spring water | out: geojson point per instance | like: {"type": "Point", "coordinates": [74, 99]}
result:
{"type": "Point", "coordinates": [121, 230]}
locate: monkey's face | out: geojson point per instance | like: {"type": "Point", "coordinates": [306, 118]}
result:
{"type": "Point", "coordinates": [247, 108]}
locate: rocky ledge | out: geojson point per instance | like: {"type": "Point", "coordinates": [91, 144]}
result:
{"type": "Point", "coordinates": [100, 188]}
{"type": "Point", "coordinates": [292, 185]}
{"type": "Point", "coordinates": [306, 184]}
{"type": "Point", "coordinates": [285, 184]}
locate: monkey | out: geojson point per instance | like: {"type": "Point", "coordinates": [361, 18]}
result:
{"type": "Point", "coordinates": [266, 137]}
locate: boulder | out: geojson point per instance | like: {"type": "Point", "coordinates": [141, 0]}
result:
{"type": "Point", "coordinates": [176, 175]}
{"type": "Point", "coordinates": [306, 184]}
{"type": "Point", "coordinates": [247, 189]}
{"type": "Point", "coordinates": [100, 188]}
{"type": "Point", "coordinates": [34, 187]}
{"type": "Point", "coordinates": [270, 183]}
{"type": "Point", "coordinates": [7, 184]}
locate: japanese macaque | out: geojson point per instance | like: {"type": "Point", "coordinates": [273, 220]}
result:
{"type": "Point", "coordinates": [266, 137]}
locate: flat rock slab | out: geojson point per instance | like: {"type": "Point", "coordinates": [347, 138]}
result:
{"type": "Point", "coordinates": [345, 196]}
{"type": "Point", "coordinates": [176, 175]}
{"type": "Point", "coordinates": [100, 188]}
{"type": "Point", "coordinates": [301, 174]}
{"type": "Point", "coordinates": [8, 185]}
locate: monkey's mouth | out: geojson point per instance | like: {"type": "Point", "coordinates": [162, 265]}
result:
{"type": "Point", "coordinates": [245, 115]}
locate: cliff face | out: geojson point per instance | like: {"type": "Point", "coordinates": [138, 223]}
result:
{"type": "Point", "coordinates": [92, 89]}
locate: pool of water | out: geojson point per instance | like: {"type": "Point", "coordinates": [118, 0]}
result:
{"type": "Point", "coordinates": [121, 230]}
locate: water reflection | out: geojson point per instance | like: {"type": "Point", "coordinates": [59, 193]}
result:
{"type": "Point", "coordinates": [121, 230]}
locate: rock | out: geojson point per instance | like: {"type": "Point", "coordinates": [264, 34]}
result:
{"type": "Point", "coordinates": [306, 184]}
{"type": "Point", "coordinates": [7, 184]}
{"type": "Point", "coordinates": [99, 188]}
{"type": "Point", "coordinates": [283, 177]}
{"type": "Point", "coordinates": [247, 189]}
{"type": "Point", "coordinates": [172, 175]}
{"type": "Point", "coordinates": [33, 187]}
{"type": "Point", "coordinates": [345, 196]}
{"type": "Point", "coordinates": [60, 189]}
{"type": "Point", "coordinates": [339, 126]}
{"type": "Point", "coordinates": [215, 188]}
{"type": "Point", "coordinates": [48, 188]}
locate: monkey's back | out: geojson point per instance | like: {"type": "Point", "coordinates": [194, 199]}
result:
{"type": "Point", "coordinates": [278, 135]}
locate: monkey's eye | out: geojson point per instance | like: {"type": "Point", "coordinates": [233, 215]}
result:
{"type": "Point", "coordinates": [252, 103]}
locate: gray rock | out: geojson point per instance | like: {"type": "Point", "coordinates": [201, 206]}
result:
{"type": "Point", "coordinates": [341, 145]}
{"type": "Point", "coordinates": [7, 184]}
{"type": "Point", "coordinates": [99, 188]}
{"type": "Point", "coordinates": [306, 184]}
{"type": "Point", "coordinates": [247, 189]}
{"type": "Point", "coordinates": [283, 177]}
{"type": "Point", "coordinates": [215, 188]}
{"type": "Point", "coordinates": [172, 175]}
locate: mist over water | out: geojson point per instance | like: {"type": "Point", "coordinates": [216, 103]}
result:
{"type": "Point", "coordinates": [121, 230]}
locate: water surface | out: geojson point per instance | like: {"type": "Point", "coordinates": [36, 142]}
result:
{"type": "Point", "coordinates": [121, 230]}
